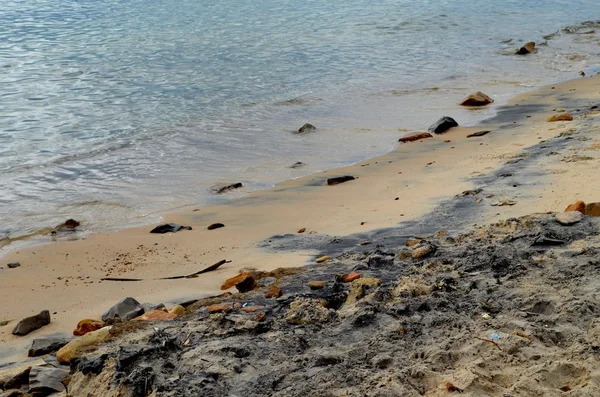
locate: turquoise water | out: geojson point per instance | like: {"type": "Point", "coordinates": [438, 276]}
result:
{"type": "Point", "coordinates": [114, 111]}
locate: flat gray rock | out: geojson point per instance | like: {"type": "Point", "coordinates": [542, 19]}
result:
{"type": "Point", "coordinates": [47, 379]}
{"type": "Point", "coordinates": [126, 309]}
{"type": "Point", "coordinates": [47, 345]}
{"type": "Point", "coordinates": [569, 218]}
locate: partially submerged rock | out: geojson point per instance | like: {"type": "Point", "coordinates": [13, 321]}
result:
{"type": "Point", "coordinates": [126, 309]}
{"type": "Point", "coordinates": [32, 323]}
{"type": "Point", "coordinates": [169, 228]}
{"type": "Point", "coordinates": [226, 188]}
{"type": "Point", "coordinates": [528, 48]}
{"type": "Point", "coordinates": [443, 125]}
{"type": "Point", "coordinates": [307, 128]}
{"type": "Point", "coordinates": [415, 137]}
{"type": "Point", "coordinates": [340, 179]}
{"type": "Point", "coordinates": [47, 345]}
{"type": "Point", "coordinates": [560, 117]}
{"type": "Point", "coordinates": [477, 99]}
{"type": "Point", "coordinates": [297, 164]}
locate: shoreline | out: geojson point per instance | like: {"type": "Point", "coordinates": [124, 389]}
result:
{"type": "Point", "coordinates": [261, 228]}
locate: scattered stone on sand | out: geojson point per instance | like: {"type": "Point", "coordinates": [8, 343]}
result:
{"type": "Point", "coordinates": [322, 259]}
{"type": "Point", "coordinates": [416, 137]}
{"type": "Point", "coordinates": [297, 164]}
{"type": "Point", "coordinates": [156, 315]}
{"type": "Point", "coordinates": [477, 99]}
{"type": "Point", "coordinates": [45, 379]}
{"type": "Point", "coordinates": [340, 179]}
{"type": "Point", "coordinates": [443, 125]}
{"type": "Point", "coordinates": [576, 206]}
{"type": "Point", "coordinates": [576, 158]}
{"type": "Point", "coordinates": [314, 285]}
{"type": "Point", "coordinates": [528, 48]}
{"type": "Point", "coordinates": [215, 226]}
{"type": "Point", "coordinates": [307, 128]}
{"type": "Point", "coordinates": [592, 209]}
{"type": "Point", "coordinates": [560, 117]}
{"type": "Point", "coordinates": [32, 323]}
{"type": "Point", "coordinates": [226, 188]}
{"type": "Point", "coordinates": [422, 251]}
{"type": "Point", "coordinates": [72, 349]}
{"type": "Point", "coordinates": [569, 218]}
{"type": "Point", "coordinates": [302, 230]}
{"type": "Point", "coordinates": [502, 203]}
{"type": "Point", "coordinates": [47, 345]}
{"type": "Point", "coordinates": [305, 311]}
{"type": "Point", "coordinates": [126, 309]}
{"type": "Point", "coordinates": [87, 325]}
{"type": "Point", "coordinates": [169, 228]}
{"type": "Point", "coordinates": [472, 192]}
{"type": "Point", "coordinates": [478, 133]}
{"type": "Point", "coordinates": [273, 292]}
{"type": "Point", "coordinates": [177, 310]}
{"type": "Point", "coordinates": [13, 265]}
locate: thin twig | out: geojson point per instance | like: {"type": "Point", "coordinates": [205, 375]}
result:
{"type": "Point", "coordinates": [490, 341]}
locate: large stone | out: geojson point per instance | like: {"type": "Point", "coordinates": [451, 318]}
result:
{"type": "Point", "coordinates": [72, 349]}
{"type": "Point", "coordinates": [528, 48]}
{"type": "Point", "coordinates": [46, 379]}
{"type": "Point", "coordinates": [443, 125]}
{"type": "Point", "coordinates": [569, 218]}
{"type": "Point", "coordinates": [415, 137]}
{"type": "Point", "coordinates": [32, 323]}
{"type": "Point", "coordinates": [87, 325]}
{"type": "Point", "coordinates": [576, 206]}
{"type": "Point", "coordinates": [592, 209]}
{"type": "Point", "coordinates": [126, 309]}
{"type": "Point", "coordinates": [560, 117]}
{"type": "Point", "coordinates": [477, 99]}
{"type": "Point", "coordinates": [47, 345]}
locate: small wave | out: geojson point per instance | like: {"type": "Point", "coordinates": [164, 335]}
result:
{"type": "Point", "coordinates": [297, 101]}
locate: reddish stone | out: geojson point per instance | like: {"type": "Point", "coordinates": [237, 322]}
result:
{"type": "Point", "coordinates": [273, 292]}
{"type": "Point", "coordinates": [220, 308]}
{"type": "Point", "coordinates": [350, 277]}
{"type": "Point", "coordinates": [577, 206]}
{"type": "Point", "coordinates": [477, 99]}
{"type": "Point", "coordinates": [416, 137]}
{"type": "Point", "coordinates": [87, 325]}
{"type": "Point", "coordinates": [252, 309]}
{"type": "Point", "coordinates": [156, 315]}
{"type": "Point", "coordinates": [230, 282]}
{"type": "Point", "coordinates": [261, 317]}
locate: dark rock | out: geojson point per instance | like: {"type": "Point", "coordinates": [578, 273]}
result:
{"type": "Point", "coordinates": [478, 133]}
{"type": "Point", "coordinates": [17, 381]}
{"type": "Point", "coordinates": [477, 99]}
{"type": "Point", "coordinates": [12, 265]}
{"type": "Point", "coordinates": [47, 345]}
{"type": "Point", "coordinates": [416, 137]}
{"type": "Point", "coordinates": [443, 125]}
{"type": "Point", "coordinates": [149, 307]}
{"type": "Point", "coordinates": [126, 309]}
{"type": "Point", "coordinates": [215, 226]}
{"type": "Point", "coordinates": [246, 285]}
{"type": "Point", "coordinates": [307, 128]}
{"type": "Point", "coordinates": [297, 164]}
{"type": "Point", "coordinates": [226, 188]}
{"type": "Point", "coordinates": [32, 323]}
{"type": "Point", "coordinates": [339, 179]}
{"type": "Point", "coordinates": [526, 49]}
{"type": "Point", "coordinates": [45, 380]}
{"type": "Point", "coordinates": [169, 228]}
{"type": "Point", "coordinates": [71, 224]}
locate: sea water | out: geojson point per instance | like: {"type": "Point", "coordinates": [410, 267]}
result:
{"type": "Point", "coordinates": [113, 112]}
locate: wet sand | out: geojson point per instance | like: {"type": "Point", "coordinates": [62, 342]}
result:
{"type": "Point", "coordinates": [261, 229]}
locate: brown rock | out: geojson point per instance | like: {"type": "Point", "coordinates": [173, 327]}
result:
{"type": "Point", "coordinates": [230, 282]}
{"type": "Point", "coordinates": [73, 348]}
{"type": "Point", "coordinates": [156, 315]}
{"type": "Point", "coordinates": [87, 325]}
{"type": "Point", "coordinates": [307, 128]}
{"type": "Point", "coordinates": [413, 242]}
{"type": "Point", "coordinates": [416, 137]}
{"type": "Point", "coordinates": [477, 99]}
{"type": "Point", "coordinates": [560, 117]}
{"type": "Point", "coordinates": [592, 209]}
{"type": "Point", "coordinates": [316, 284]}
{"type": "Point", "coordinates": [273, 292]}
{"type": "Point", "coordinates": [422, 252]}
{"type": "Point", "coordinates": [302, 230]}
{"type": "Point", "coordinates": [322, 259]}
{"type": "Point", "coordinates": [347, 278]}
{"type": "Point", "coordinates": [528, 48]}
{"type": "Point", "coordinates": [576, 206]}
{"type": "Point", "coordinates": [177, 310]}
{"type": "Point", "coordinates": [261, 317]}
{"type": "Point", "coordinates": [32, 323]}
{"type": "Point", "coordinates": [252, 309]}
{"type": "Point", "coordinates": [221, 308]}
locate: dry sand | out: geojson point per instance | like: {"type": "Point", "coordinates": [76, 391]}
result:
{"type": "Point", "coordinates": [64, 277]}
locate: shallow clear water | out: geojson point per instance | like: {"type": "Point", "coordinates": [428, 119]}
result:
{"type": "Point", "coordinates": [113, 111]}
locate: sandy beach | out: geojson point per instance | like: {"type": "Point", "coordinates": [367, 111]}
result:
{"type": "Point", "coordinates": [525, 163]}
